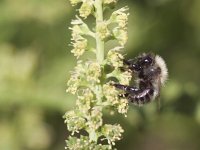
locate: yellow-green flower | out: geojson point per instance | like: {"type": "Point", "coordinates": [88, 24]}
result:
{"type": "Point", "coordinates": [74, 121]}
{"type": "Point", "coordinates": [102, 30]}
{"type": "Point", "coordinates": [120, 16]}
{"type": "Point", "coordinates": [86, 8]}
{"type": "Point", "coordinates": [76, 33]}
{"type": "Point", "coordinates": [125, 77]}
{"type": "Point", "coordinates": [111, 94]}
{"type": "Point", "coordinates": [93, 71]}
{"type": "Point", "coordinates": [79, 47]}
{"type": "Point", "coordinates": [95, 118]}
{"type": "Point", "coordinates": [76, 78]}
{"type": "Point", "coordinates": [121, 35]}
{"type": "Point", "coordinates": [122, 20]}
{"type": "Point", "coordinates": [123, 106]}
{"type": "Point", "coordinates": [84, 101]}
{"type": "Point", "coordinates": [115, 58]}
{"type": "Point", "coordinates": [112, 132]}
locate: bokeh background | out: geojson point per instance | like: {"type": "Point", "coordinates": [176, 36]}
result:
{"type": "Point", "coordinates": [35, 61]}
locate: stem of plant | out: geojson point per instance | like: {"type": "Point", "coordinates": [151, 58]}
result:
{"type": "Point", "coordinates": [99, 41]}
{"type": "Point", "coordinates": [99, 53]}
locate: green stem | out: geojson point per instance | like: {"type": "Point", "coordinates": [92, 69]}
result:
{"type": "Point", "coordinates": [99, 56]}
{"type": "Point", "coordinates": [99, 42]}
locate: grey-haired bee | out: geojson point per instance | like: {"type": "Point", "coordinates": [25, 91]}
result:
{"type": "Point", "coordinates": [150, 73]}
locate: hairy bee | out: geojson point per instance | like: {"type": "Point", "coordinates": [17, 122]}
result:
{"type": "Point", "coordinates": [150, 72]}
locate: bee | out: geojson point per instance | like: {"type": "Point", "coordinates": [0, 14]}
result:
{"type": "Point", "coordinates": [150, 73]}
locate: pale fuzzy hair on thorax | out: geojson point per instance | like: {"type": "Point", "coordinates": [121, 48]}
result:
{"type": "Point", "coordinates": [164, 71]}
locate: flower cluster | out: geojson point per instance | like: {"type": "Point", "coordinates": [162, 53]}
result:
{"type": "Point", "coordinates": [89, 82]}
{"type": "Point", "coordinates": [120, 17]}
{"type": "Point", "coordinates": [74, 122]}
{"type": "Point", "coordinates": [102, 30]}
{"type": "Point", "coordinates": [84, 74]}
{"type": "Point", "coordinates": [112, 132]}
{"type": "Point", "coordinates": [84, 101]}
{"type": "Point", "coordinates": [115, 58]}
{"type": "Point", "coordinates": [79, 42]}
{"type": "Point", "coordinates": [83, 143]}
{"type": "Point", "coordinates": [86, 8]}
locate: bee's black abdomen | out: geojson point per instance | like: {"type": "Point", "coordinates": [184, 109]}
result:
{"type": "Point", "coordinates": [136, 95]}
{"type": "Point", "coordinates": [142, 97]}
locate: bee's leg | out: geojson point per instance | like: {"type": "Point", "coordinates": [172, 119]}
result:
{"type": "Point", "coordinates": [127, 65]}
{"type": "Point", "coordinates": [129, 61]}
{"type": "Point", "coordinates": [131, 65]}
{"type": "Point", "coordinates": [127, 89]}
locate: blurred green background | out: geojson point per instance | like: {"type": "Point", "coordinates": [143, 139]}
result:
{"type": "Point", "coordinates": [35, 61]}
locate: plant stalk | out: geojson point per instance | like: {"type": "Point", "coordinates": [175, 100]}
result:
{"type": "Point", "coordinates": [99, 41]}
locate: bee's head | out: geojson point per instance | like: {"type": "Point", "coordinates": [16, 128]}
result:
{"type": "Point", "coordinates": [143, 61]}
{"type": "Point", "coordinates": [146, 67]}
